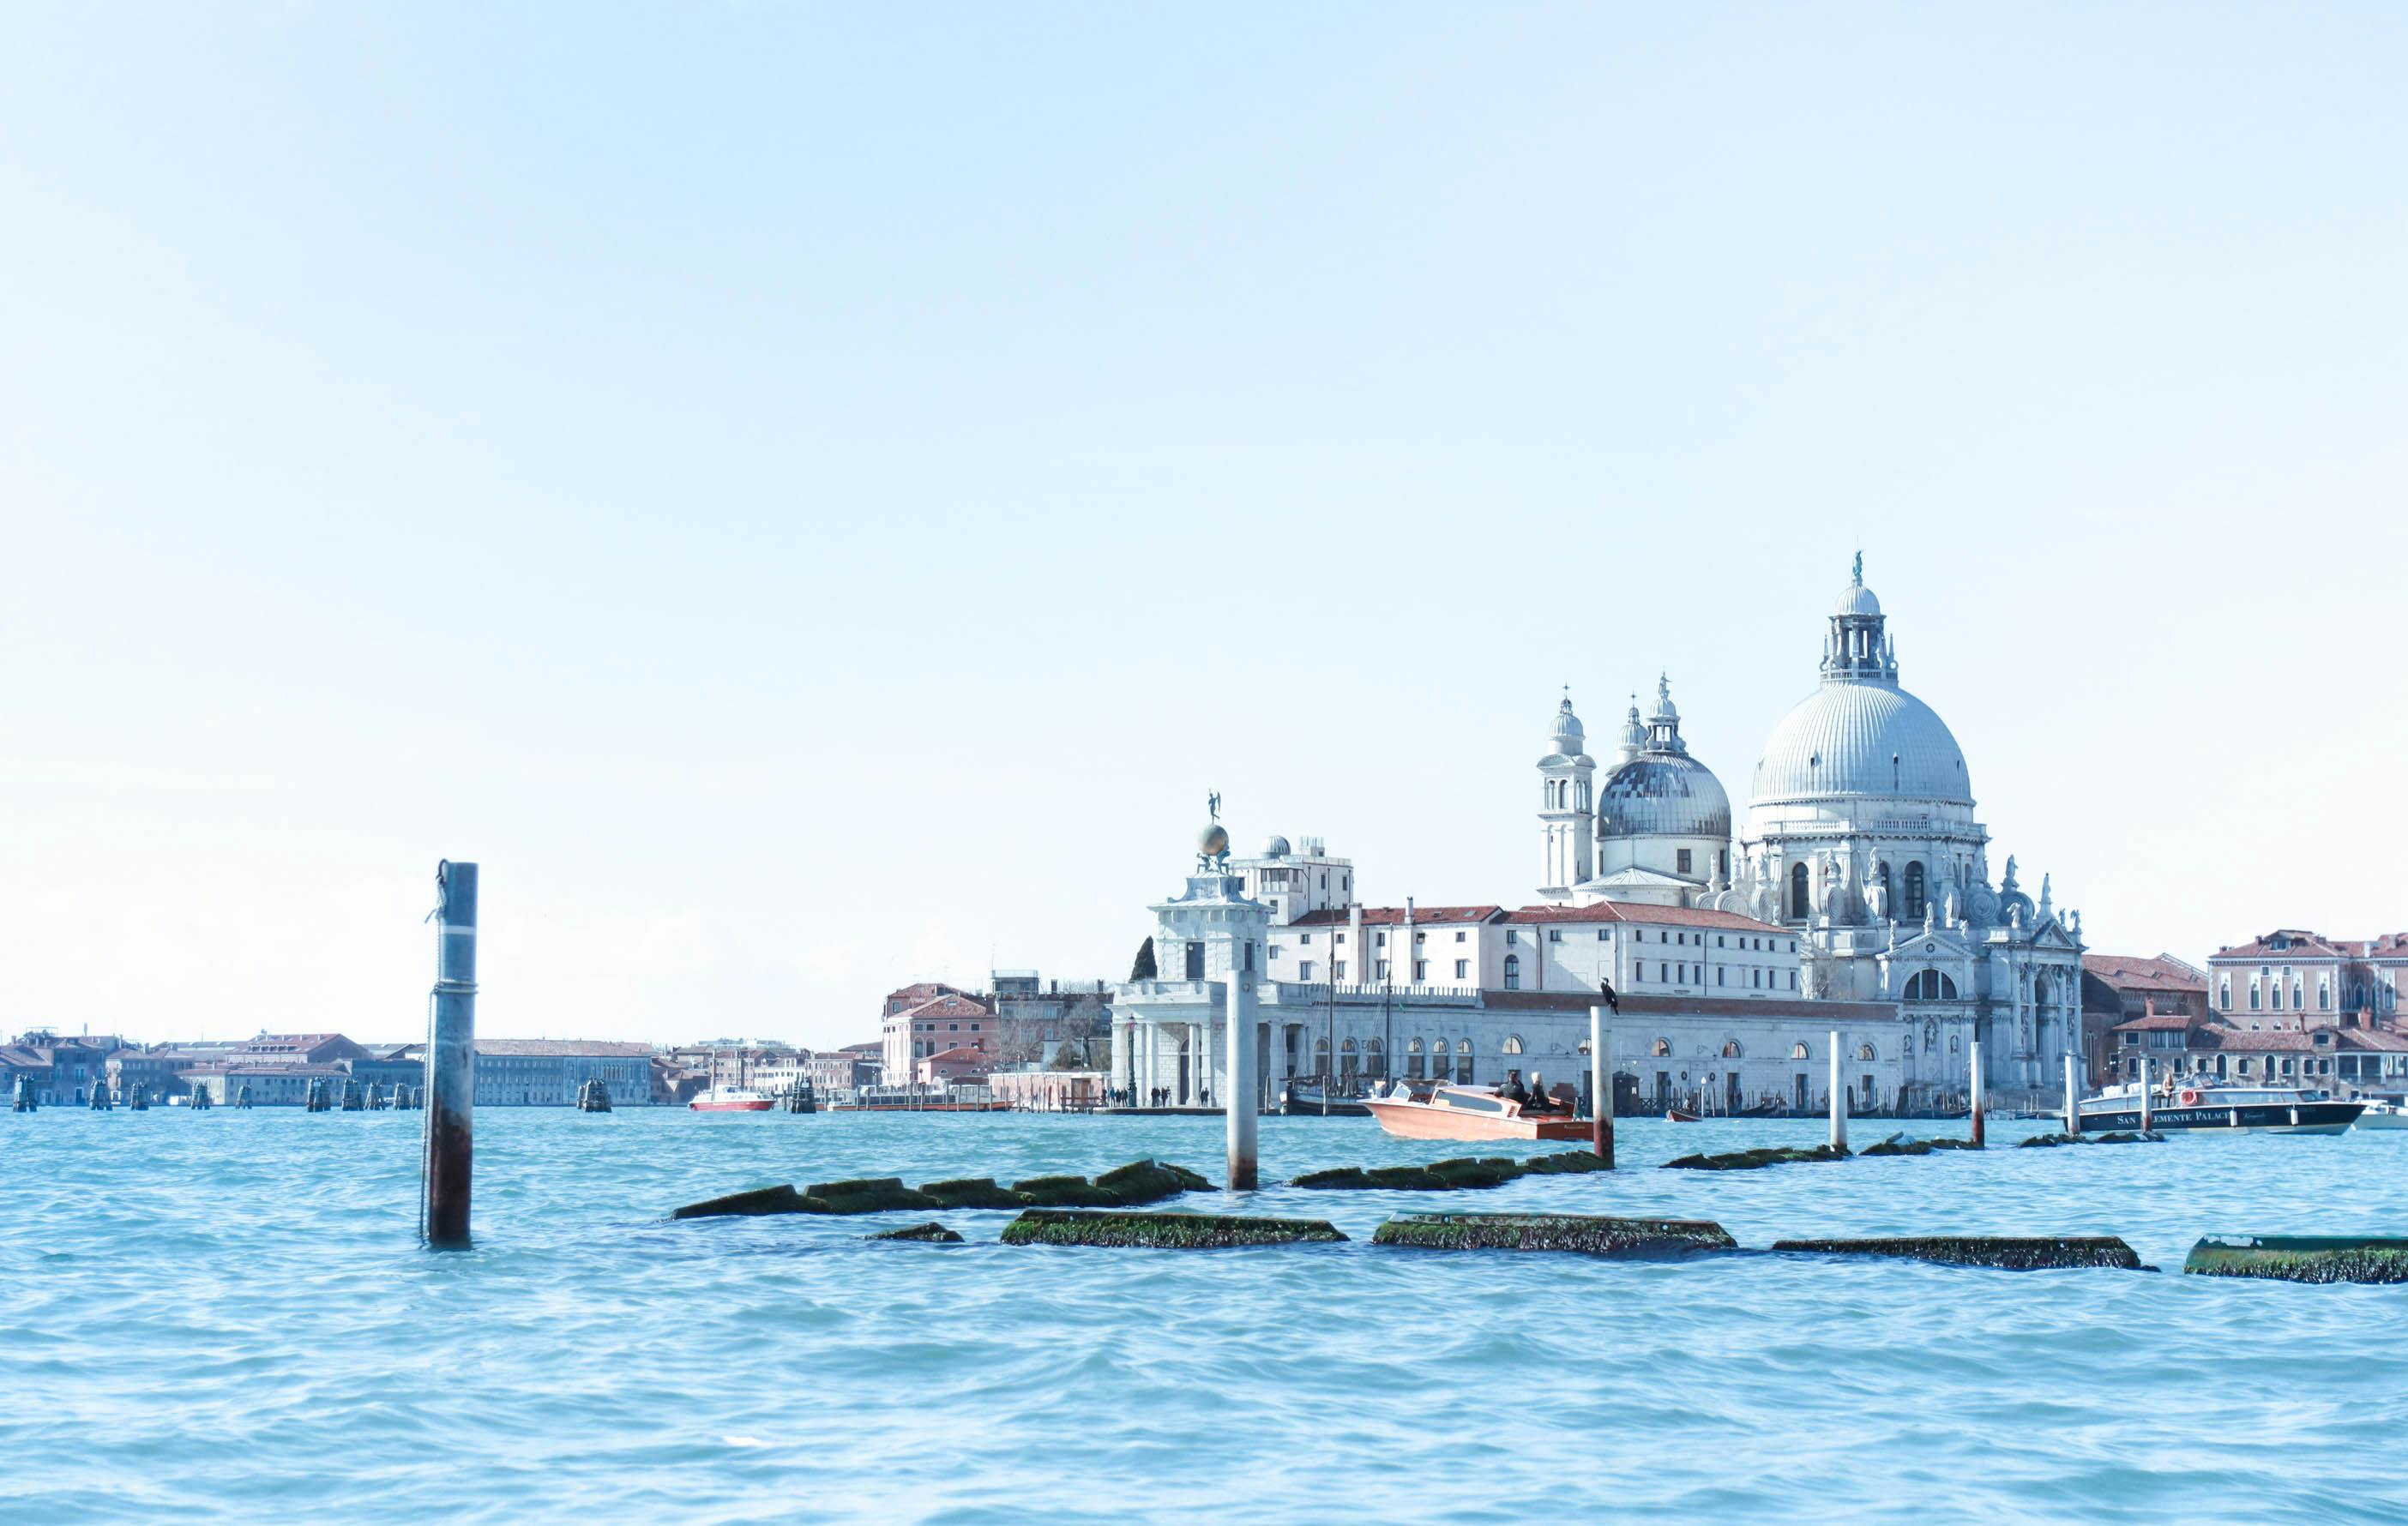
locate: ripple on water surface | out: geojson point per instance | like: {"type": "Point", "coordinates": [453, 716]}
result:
{"type": "Point", "coordinates": [229, 1311]}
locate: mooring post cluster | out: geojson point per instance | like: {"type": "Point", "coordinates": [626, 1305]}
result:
{"type": "Point", "coordinates": [452, 1060]}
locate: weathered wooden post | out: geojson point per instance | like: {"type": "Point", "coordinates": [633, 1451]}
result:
{"type": "Point", "coordinates": [1839, 1099]}
{"type": "Point", "coordinates": [1600, 1086]}
{"type": "Point", "coordinates": [1977, 1108]}
{"type": "Point", "coordinates": [1242, 1104]}
{"type": "Point", "coordinates": [451, 1061]}
{"type": "Point", "coordinates": [2144, 1093]}
{"type": "Point", "coordinates": [2073, 1099]}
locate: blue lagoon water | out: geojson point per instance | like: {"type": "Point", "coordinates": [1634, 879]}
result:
{"type": "Point", "coordinates": [225, 1316]}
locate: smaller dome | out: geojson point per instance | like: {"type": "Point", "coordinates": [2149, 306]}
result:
{"type": "Point", "coordinates": [1275, 849]}
{"type": "Point", "coordinates": [1568, 728]}
{"type": "Point", "coordinates": [1856, 599]}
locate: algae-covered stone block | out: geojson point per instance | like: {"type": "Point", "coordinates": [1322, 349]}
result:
{"type": "Point", "coordinates": [1344, 1178]}
{"type": "Point", "coordinates": [1495, 1170]}
{"type": "Point", "coordinates": [1584, 1233]}
{"type": "Point", "coordinates": [761, 1200]}
{"type": "Point", "coordinates": [1149, 1181]}
{"type": "Point", "coordinates": [2003, 1252]}
{"type": "Point", "coordinates": [2301, 1258]}
{"type": "Point", "coordinates": [1406, 1178]}
{"type": "Point", "coordinates": [972, 1192]}
{"type": "Point", "coordinates": [932, 1232]}
{"type": "Point", "coordinates": [1065, 1192]}
{"type": "Point", "coordinates": [1564, 1162]}
{"type": "Point", "coordinates": [1162, 1230]}
{"type": "Point", "coordinates": [870, 1194]}
{"type": "Point", "coordinates": [1750, 1159]}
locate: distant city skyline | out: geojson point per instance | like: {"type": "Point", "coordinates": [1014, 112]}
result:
{"type": "Point", "coordinates": [812, 503]}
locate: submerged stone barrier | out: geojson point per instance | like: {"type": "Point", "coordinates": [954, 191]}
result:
{"type": "Point", "coordinates": [1899, 1144]}
{"type": "Point", "coordinates": [2300, 1258]}
{"type": "Point", "coordinates": [1463, 1174]}
{"type": "Point", "coordinates": [1584, 1233]}
{"type": "Point", "coordinates": [2004, 1252]}
{"type": "Point", "coordinates": [2121, 1136]}
{"type": "Point", "coordinates": [931, 1231]}
{"type": "Point", "coordinates": [1162, 1230]}
{"type": "Point", "coordinates": [1132, 1185]}
{"type": "Point", "coordinates": [1750, 1159]}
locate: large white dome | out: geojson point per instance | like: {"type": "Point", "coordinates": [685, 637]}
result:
{"type": "Point", "coordinates": [1861, 738]}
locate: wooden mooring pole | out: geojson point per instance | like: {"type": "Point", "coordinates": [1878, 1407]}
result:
{"type": "Point", "coordinates": [1600, 1086]}
{"type": "Point", "coordinates": [2073, 1099]}
{"type": "Point", "coordinates": [1977, 1108]}
{"type": "Point", "coordinates": [1839, 1099]}
{"type": "Point", "coordinates": [452, 1061]}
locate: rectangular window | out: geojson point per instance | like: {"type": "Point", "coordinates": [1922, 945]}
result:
{"type": "Point", "coordinates": [1338, 970]}
{"type": "Point", "coordinates": [1421, 937]}
{"type": "Point", "coordinates": [1458, 935]}
{"type": "Point", "coordinates": [1554, 934]}
{"type": "Point", "coordinates": [1793, 980]}
{"type": "Point", "coordinates": [1513, 935]}
{"type": "Point", "coordinates": [1277, 950]}
{"type": "Point", "coordinates": [1663, 973]}
{"type": "Point", "coordinates": [1719, 973]}
{"type": "Point", "coordinates": [1379, 940]}
{"type": "Point", "coordinates": [1338, 938]}
{"type": "Point", "coordinates": [1421, 969]}
{"type": "Point", "coordinates": [1381, 973]}
{"type": "Point", "coordinates": [1462, 968]}
{"type": "Point", "coordinates": [1719, 943]}
{"type": "Point", "coordinates": [1304, 940]}
{"type": "Point", "coordinates": [1681, 860]}
{"type": "Point", "coordinates": [1304, 969]}
{"type": "Point", "coordinates": [1603, 936]}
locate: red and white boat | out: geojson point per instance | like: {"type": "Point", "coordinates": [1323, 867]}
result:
{"type": "Point", "coordinates": [733, 1100]}
{"type": "Point", "coordinates": [1468, 1112]}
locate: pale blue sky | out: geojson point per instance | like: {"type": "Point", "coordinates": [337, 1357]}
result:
{"type": "Point", "coordinates": [813, 498]}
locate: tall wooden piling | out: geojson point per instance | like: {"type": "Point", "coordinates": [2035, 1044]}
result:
{"type": "Point", "coordinates": [451, 1061]}
{"type": "Point", "coordinates": [1600, 1086]}
{"type": "Point", "coordinates": [1977, 1109]}
{"type": "Point", "coordinates": [2073, 1099]}
{"type": "Point", "coordinates": [1839, 1098]}
{"type": "Point", "coordinates": [2144, 1093]}
{"type": "Point", "coordinates": [1243, 1102]}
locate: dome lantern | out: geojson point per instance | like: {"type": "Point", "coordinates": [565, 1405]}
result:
{"type": "Point", "coordinates": [1856, 651]}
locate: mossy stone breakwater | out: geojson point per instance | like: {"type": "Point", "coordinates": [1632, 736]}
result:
{"type": "Point", "coordinates": [1162, 1230]}
{"type": "Point", "coordinates": [1465, 1173]}
{"type": "Point", "coordinates": [2301, 1258]}
{"type": "Point", "coordinates": [1584, 1233]}
{"type": "Point", "coordinates": [1899, 1144]}
{"type": "Point", "coordinates": [2121, 1136]}
{"type": "Point", "coordinates": [1138, 1183]}
{"type": "Point", "coordinates": [930, 1233]}
{"type": "Point", "coordinates": [1750, 1159]}
{"type": "Point", "coordinates": [2003, 1252]}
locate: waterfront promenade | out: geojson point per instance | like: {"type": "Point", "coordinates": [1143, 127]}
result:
{"type": "Point", "coordinates": [234, 1311]}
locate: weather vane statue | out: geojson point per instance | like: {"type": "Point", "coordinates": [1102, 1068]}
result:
{"type": "Point", "coordinates": [1213, 843]}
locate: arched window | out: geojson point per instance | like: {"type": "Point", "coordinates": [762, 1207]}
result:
{"type": "Point", "coordinates": [1864, 1051]}
{"type": "Point", "coordinates": [1513, 972]}
{"type": "Point", "coordinates": [1413, 1059]}
{"type": "Point", "coordinates": [1889, 892]}
{"type": "Point", "coordinates": [1931, 985]}
{"type": "Point", "coordinates": [1801, 892]}
{"type": "Point", "coordinates": [1660, 1049]}
{"type": "Point", "coordinates": [2224, 994]}
{"type": "Point", "coordinates": [1375, 1059]}
{"type": "Point", "coordinates": [1513, 1044]}
{"type": "Point", "coordinates": [1910, 904]}
{"type": "Point", "coordinates": [1730, 1048]}
{"type": "Point", "coordinates": [1798, 1052]}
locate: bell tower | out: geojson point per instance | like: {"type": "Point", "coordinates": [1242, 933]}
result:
{"type": "Point", "coordinates": [1566, 809]}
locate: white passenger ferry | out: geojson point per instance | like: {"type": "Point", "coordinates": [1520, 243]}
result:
{"type": "Point", "coordinates": [2246, 1109]}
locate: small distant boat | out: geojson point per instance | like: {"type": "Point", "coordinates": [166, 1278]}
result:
{"type": "Point", "coordinates": [2236, 1109]}
{"type": "Point", "coordinates": [1307, 1099]}
{"type": "Point", "coordinates": [2381, 1115]}
{"type": "Point", "coordinates": [732, 1099]}
{"type": "Point", "coordinates": [1680, 1115]}
{"type": "Point", "coordinates": [1468, 1112]}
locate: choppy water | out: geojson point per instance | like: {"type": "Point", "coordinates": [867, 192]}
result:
{"type": "Point", "coordinates": [225, 1316]}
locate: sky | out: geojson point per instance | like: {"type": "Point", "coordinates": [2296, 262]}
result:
{"type": "Point", "coordinates": [812, 498]}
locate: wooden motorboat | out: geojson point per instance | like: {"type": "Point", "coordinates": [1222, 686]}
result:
{"type": "Point", "coordinates": [1678, 1114]}
{"type": "Point", "coordinates": [1468, 1112]}
{"type": "Point", "coordinates": [1306, 1099]}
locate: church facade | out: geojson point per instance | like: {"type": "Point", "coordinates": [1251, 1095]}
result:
{"type": "Point", "coordinates": [1855, 895]}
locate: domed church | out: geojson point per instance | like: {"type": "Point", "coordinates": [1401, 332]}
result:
{"type": "Point", "coordinates": [1860, 833]}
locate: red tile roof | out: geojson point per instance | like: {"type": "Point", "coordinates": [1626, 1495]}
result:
{"type": "Point", "coordinates": [2299, 946]}
{"type": "Point", "coordinates": [2157, 1022]}
{"type": "Point", "coordinates": [1394, 916]}
{"type": "Point", "coordinates": [952, 1005]}
{"type": "Point", "coordinates": [912, 995]}
{"type": "Point", "coordinates": [1640, 911]}
{"type": "Point", "coordinates": [2132, 973]}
